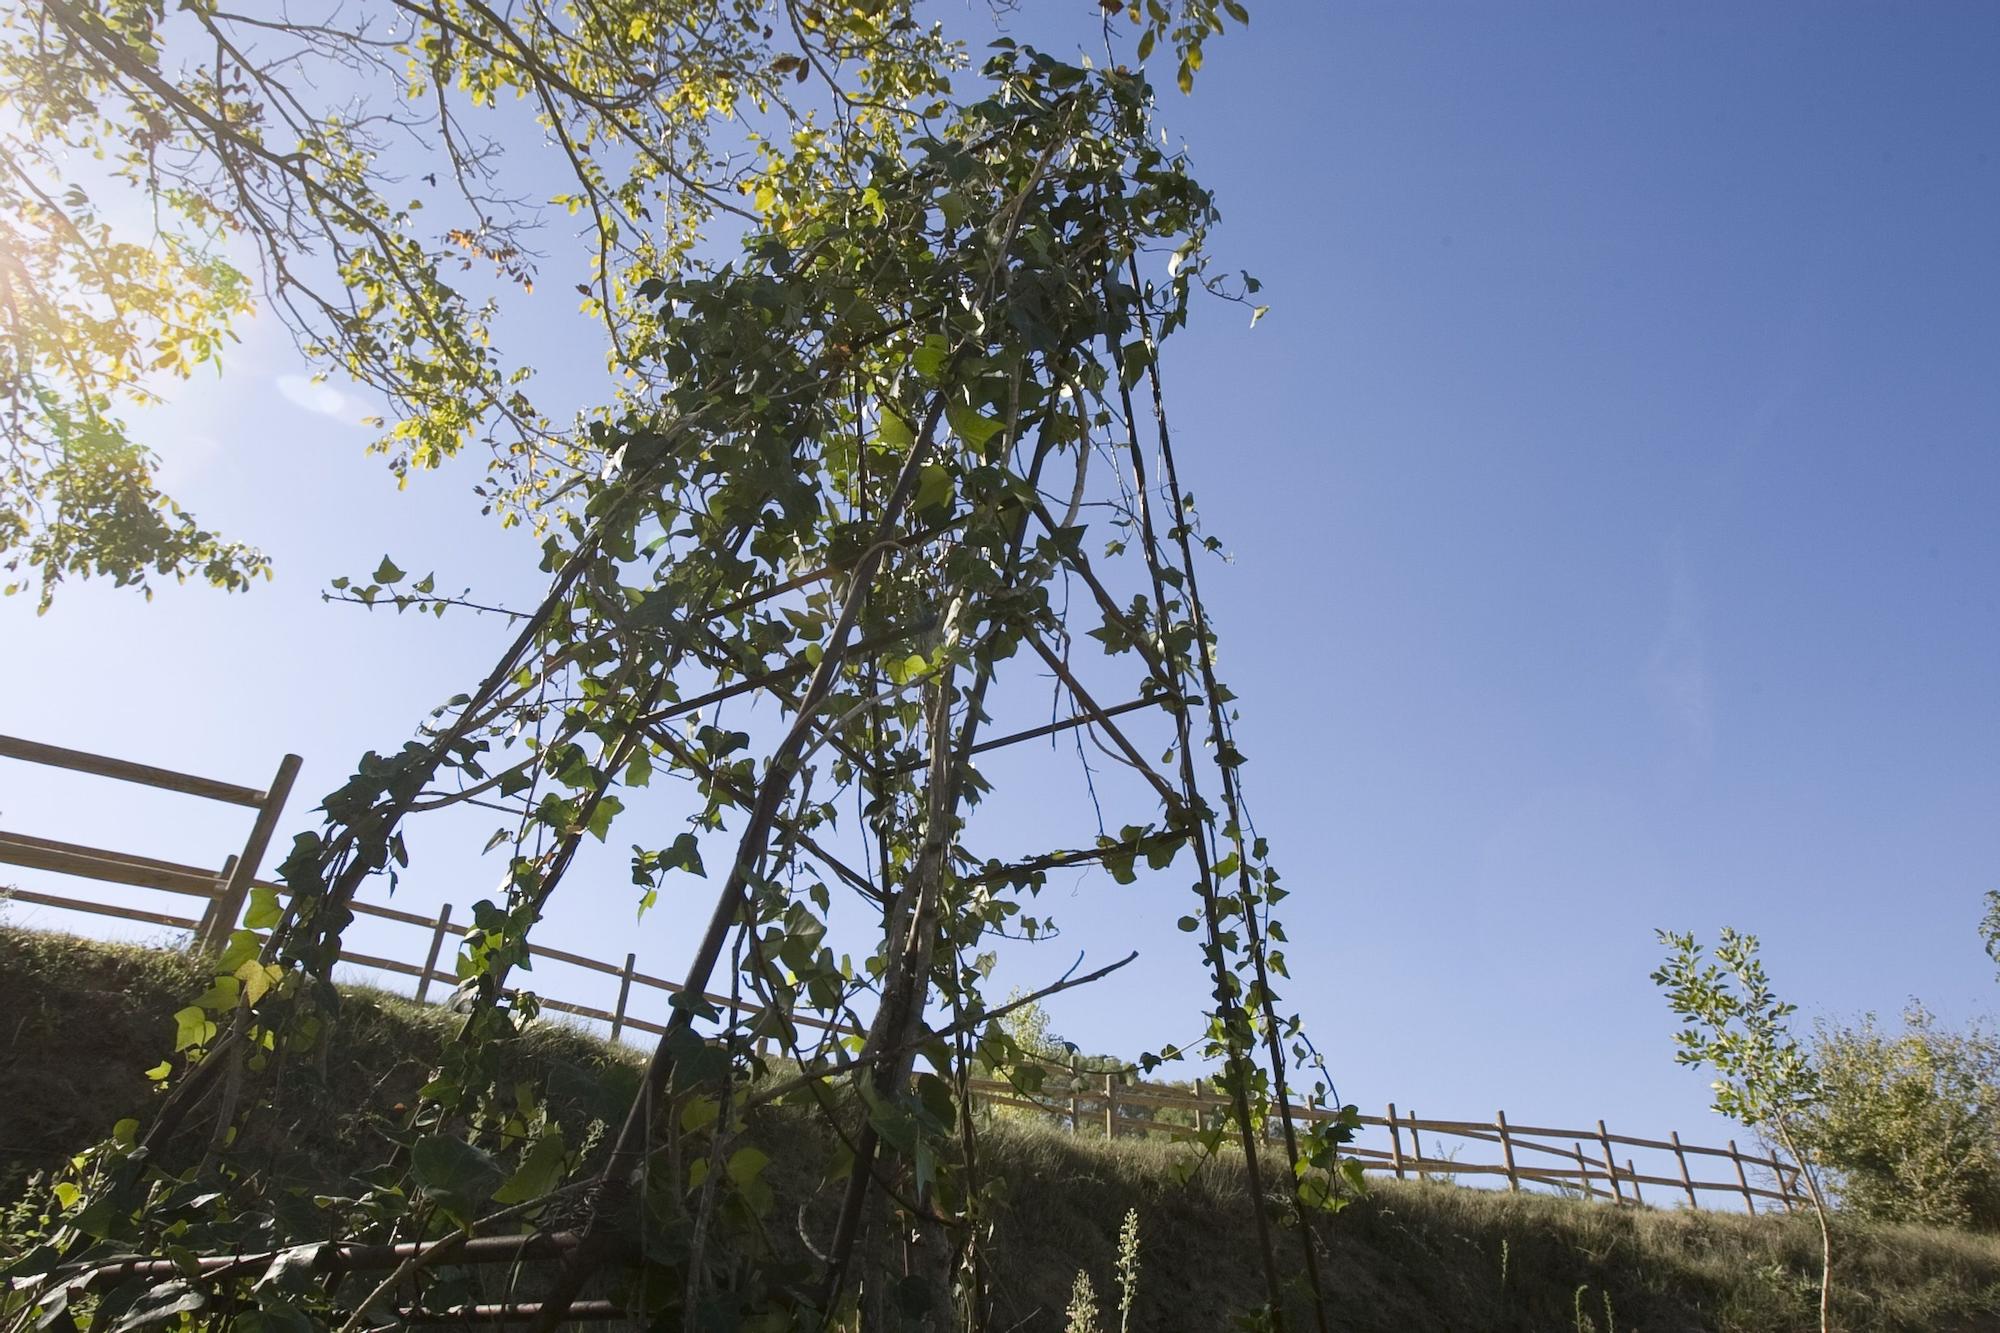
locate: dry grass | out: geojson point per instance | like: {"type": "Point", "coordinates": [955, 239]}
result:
{"type": "Point", "coordinates": [82, 1019]}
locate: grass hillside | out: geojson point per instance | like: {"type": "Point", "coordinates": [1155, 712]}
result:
{"type": "Point", "coordinates": [80, 1020]}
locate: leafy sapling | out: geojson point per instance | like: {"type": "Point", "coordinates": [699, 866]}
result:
{"type": "Point", "coordinates": [1765, 1079]}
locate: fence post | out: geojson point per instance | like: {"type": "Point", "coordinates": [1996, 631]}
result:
{"type": "Point", "coordinates": [624, 993]}
{"type": "Point", "coordinates": [1110, 1107]}
{"type": "Point", "coordinates": [437, 947]}
{"type": "Point", "coordinates": [228, 904]}
{"type": "Point", "coordinates": [1075, 1107]}
{"type": "Point", "coordinates": [1582, 1171]}
{"type": "Point", "coordinates": [1638, 1195]}
{"type": "Point", "coordinates": [1395, 1142]}
{"type": "Point", "coordinates": [206, 926]}
{"type": "Point", "coordinates": [1417, 1146]}
{"type": "Point", "coordinates": [1687, 1183]}
{"type": "Point", "coordinates": [1785, 1187]}
{"type": "Point", "coordinates": [1610, 1166]}
{"type": "Point", "coordinates": [1507, 1150]}
{"type": "Point", "coordinates": [1749, 1200]}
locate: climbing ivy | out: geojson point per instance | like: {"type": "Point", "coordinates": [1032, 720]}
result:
{"type": "Point", "coordinates": [856, 484]}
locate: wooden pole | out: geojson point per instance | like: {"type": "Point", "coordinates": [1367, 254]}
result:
{"type": "Point", "coordinates": [1110, 1107]}
{"type": "Point", "coordinates": [1075, 1106]}
{"type": "Point", "coordinates": [206, 929]}
{"type": "Point", "coordinates": [1507, 1150]}
{"type": "Point", "coordinates": [1417, 1147]}
{"type": "Point", "coordinates": [1638, 1195]}
{"type": "Point", "coordinates": [624, 994]}
{"type": "Point", "coordinates": [1749, 1199]}
{"type": "Point", "coordinates": [1395, 1143]}
{"type": "Point", "coordinates": [1610, 1166]}
{"type": "Point", "coordinates": [229, 904]}
{"type": "Point", "coordinates": [1687, 1183]}
{"type": "Point", "coordinates": [1583, 1171]}
{"type": "Point", "coordinates": [437, 947]}
{"type": "Point", "coordinates": [1200, 1109]}
{"type": "Point", "coordinates": [1785, 1186]}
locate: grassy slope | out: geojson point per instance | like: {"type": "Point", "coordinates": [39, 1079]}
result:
{"type": "Point", "coordinates": [80, 1020]}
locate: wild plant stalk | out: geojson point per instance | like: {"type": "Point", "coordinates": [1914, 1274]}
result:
{"type": "Point", "coordinates": [1082, 1312]}
{"type": "Point", "coordinates": [1128, 1268]}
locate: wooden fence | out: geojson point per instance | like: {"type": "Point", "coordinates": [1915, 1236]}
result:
{"type": "Point", "coordinates": [1581, 1162]}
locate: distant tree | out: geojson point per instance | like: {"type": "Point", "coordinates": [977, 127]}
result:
{"type": "Point", "coordinates": [1765, 1079]}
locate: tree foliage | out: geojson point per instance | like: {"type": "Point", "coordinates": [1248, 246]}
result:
{"type": "Point", "coordinates": [1909, 1122]}
{"type": "Point", "coordinates": [355, 169]}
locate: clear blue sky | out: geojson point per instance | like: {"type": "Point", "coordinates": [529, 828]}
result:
{"type": "Point", "coordinates": [1612, 494]}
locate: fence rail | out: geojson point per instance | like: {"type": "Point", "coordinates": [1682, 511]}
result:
{"type": "Point", "coordinates": [1112, 1102]}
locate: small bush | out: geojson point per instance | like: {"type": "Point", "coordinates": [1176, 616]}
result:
{"type": "Point", "coordinates": [1909, 1123]}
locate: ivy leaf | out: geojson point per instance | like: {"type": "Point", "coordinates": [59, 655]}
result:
{"type": "Point", "coordinates": [456, 1174]}
{"type": "Point", "coordinates": [933, 487]}
{"type": "Point", "coordinates": [969, 425]}
{"type": "Point", "coordinates": [192, 1028]}
{"type": "Point", "coordinates": [930, 358]}
{"type": "Point", "coordinates": [895, 432]}
{"type": "Point", "coordinates": [386, 572]}
{"type": "Point", "coordinates": [541, 1170]}
{"type": "Point", "coordinates": [161, 1303]}
{"type": "Point", "coordinates": [258, 978]}
{"type": "Point", "coordinates": [264, 911]}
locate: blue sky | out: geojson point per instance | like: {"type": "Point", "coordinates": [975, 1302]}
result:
{"type": "Point", "coordinates": [1611, 498]}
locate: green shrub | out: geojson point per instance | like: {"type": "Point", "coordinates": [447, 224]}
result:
{"type": "Point", "coordinates": [1909, 1122]}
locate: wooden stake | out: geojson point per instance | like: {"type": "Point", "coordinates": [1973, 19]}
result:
{"type": "Point", "coordinates": [1200, 1110]}
{"type": "Point", "coordinates": [229, 903]}
{"type": "Point", "coordinates": [1583, 1171]}
{"type": "Point", "coordinates": [1610, 1166]}
{"type": "Point", "coordinates": [1417, 1147]}
{"type": "Point", "coordinates": [437, 947]}
{"type": "Point", "coordinates": [1687, 1183]}
{"type": "Point", "coordinates": [1110, 1106]}
{"type": "Point", "coordinates": [1749, 1200]}
{"type": "Point", "coordinates": [206, 930]}
{"type": "Point", "coordinates": [1507, 1150]}
{"type": "Point", "coordinates": [1638, 1195]}
{"type": "Point", "coordinates": [1395, 1143]}
{"type": "Point", "coordinates": [624, 993]}
{"type": "Point", "coordinates": [1785, 1186]}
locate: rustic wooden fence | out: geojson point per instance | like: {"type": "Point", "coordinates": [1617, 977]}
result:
{"type": "Point", "coordinates": [1581, 1162]}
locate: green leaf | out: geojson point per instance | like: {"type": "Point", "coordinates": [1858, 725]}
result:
{"type": "Point", "coordinates": [192, 1028]}
{"type": "Point", "coordinates": [386, 572]}
{"type": "Point", "coordinates": [257, 978]}
{"type": "Point", "coordinates": [456, 1174]}
{"type": "Point", "coordinates": [930, 358]}
{"type": "Point", "coordinates": [895, 432]}
{"type": "Point", "coordinates": [933, 487]}
{"type": "Point", "coordinates": [745, 1165]}
{"type": "Point", "coordinates": [264, 911]}
{"type": "Point", "coordinates": [167, 1301]}
{"type": "Point", "coordinates": [969, 425]}
{"type": "Point", "coordinates": [541, 1170]}
{"type": "Point", "coordinates": [600, 818]}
